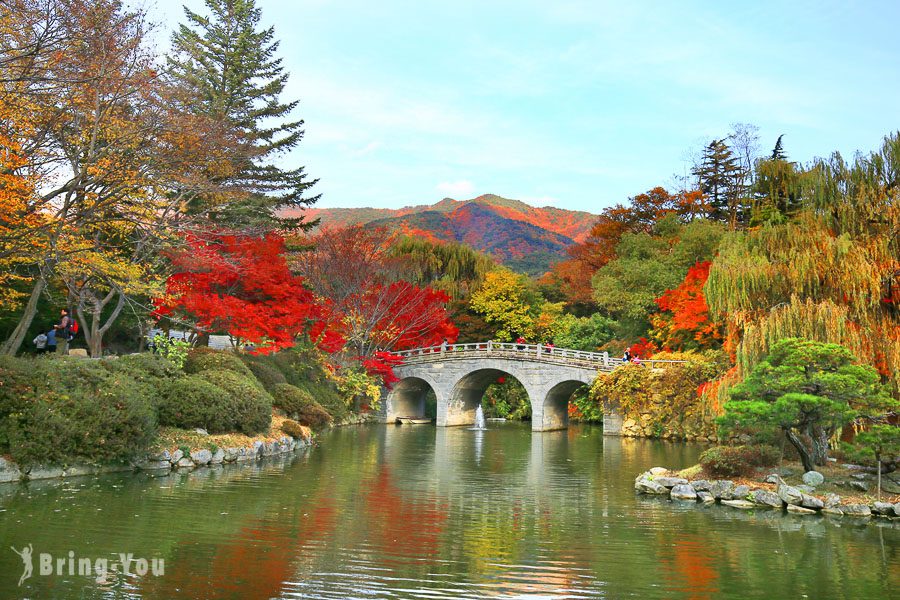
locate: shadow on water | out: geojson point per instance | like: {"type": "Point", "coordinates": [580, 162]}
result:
{"type": "Point", "coordinates": [419, 511]}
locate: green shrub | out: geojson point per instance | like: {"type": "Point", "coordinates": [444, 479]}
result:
{"type": "Point", "coordinates": [206, 359]}
{"type": "Point", "coordinates": [295, 429]}
{"type": "Point", "coordinates": [731, 461]}
{"type": "Point", "coordinates": [76, 411]}
{"type": "Point", "coordinates": [267, 375]}
{"type": "Point", "coordinates": [250, 405]}
{"type": "Point", "coordinates": [17, 382]}
{"type": "Point", "coordinates": [192, 401]}
{"type": "Point", "coordinates": [151, 369]}
{"type": "Point", "coordinates": [300, 405]}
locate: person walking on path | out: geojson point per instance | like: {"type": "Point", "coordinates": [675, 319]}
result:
{"type": "Point", "coordinates": [63, 331]}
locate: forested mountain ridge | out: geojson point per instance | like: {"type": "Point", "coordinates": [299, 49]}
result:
{"type": "Point", "coordinates": [526, 238]}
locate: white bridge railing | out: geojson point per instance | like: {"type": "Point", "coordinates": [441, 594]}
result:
{"type": "Point", "coordinates": [540, 352]}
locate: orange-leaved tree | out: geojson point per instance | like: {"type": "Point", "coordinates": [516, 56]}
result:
{"type": "Point", "coordinates": [241, 285]}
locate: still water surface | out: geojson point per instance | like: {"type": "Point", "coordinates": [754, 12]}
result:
{"type": "Point", "coordinates": [420, 512]}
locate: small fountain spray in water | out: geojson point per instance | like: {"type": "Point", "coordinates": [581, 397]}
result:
{"type": "Point", "coordinates": [479, 419]}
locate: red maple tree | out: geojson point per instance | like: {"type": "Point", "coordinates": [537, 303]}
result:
{"type": "Point", "coordinates": [241, 285]}
{"type": "Point", "coordinates": [685, 322]}
{"type": "Point", "coordinates": [369, 300]}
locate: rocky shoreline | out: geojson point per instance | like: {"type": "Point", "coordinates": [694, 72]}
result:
{"type": "Point", "coordinates": [157, 462]}
{"type": "Point", "coordinates": [774, 494]}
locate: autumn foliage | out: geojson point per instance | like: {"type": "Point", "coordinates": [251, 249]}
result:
{"type": "Point", "coordinates": [241, 285]}
{"type": "Point", "coordinates": [685, 322]}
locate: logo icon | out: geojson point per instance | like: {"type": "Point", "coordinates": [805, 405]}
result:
{"type": "Point", "coordinates": [25, 554]}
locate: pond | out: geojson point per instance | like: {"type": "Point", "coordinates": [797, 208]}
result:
{"type": "Point", "coordinates": [425, 512]}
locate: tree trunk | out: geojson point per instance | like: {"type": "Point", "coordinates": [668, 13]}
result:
{"type": "Point", "coordinates": [819, 436]}
{"type": "Point", "coordinates": [12, 344]}
{"type": "Point", "coordinates": [878, 466]}
{"type": "Point", "coordinates": [802, 450]}
{"type": "Point", "coordinates": [97, 329]}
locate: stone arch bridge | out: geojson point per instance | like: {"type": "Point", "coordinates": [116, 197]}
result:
{"type": "Point", "coordinates": [459, 374]}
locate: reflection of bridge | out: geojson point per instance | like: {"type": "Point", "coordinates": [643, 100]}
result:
{"type": "Point", "coordinates": [459, 374]}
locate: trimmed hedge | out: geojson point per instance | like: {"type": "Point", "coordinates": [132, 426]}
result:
{"type": "Point", "coordinates": [75, 411]}
{"type": "Point", "coordinates": [151, 369]}
{"type": "Point", "coordinates": [267, 375]}
{"type": "Point", "coordinates": [732, 461]}
{"type": "Point", "coordinates": [206, 359]}
{"type": "Point", "coordinates": [250, 407]}
{"type": "Point", "coordinates": [192, 401]}
{"type": "Point", "coordinates": [300, 405]}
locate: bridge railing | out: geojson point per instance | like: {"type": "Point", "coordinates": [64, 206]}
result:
{"type": "Point", "coordinates": [530, 351]}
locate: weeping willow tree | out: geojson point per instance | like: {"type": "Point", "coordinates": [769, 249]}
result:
{"type": "Point", "coordinates": [830, 272]}
{"type": "Point", "coordinates": [453, 268]}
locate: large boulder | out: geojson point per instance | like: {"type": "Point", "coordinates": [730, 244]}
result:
{"type": "Point", "coordinates": [683, 491]}
{"type": "Point", "coordinates": [645, 485]}
{"type": "Point", "coordinates": [890, 486]}
{"type": "Point", "coordinates": [706, 498]}
{"type": "Point", "coordinates": [808, 501]}
{"type": "Point", "coordinates": [740, 492]}
{"type": "Point", "coordinates": [856, 510]}
{"type": "Point", "coordinates": [9, 471]}
{"type": "Point", "coordinates": [721, 489]}
{"type": "Point", "coordinates": [766, 498]}
{"type": "Point", "coordinates": [218, 457]}
{"type": "Point", "coordinates": [813, 478]}
{"type": "Point", "coordinates": [670, 482]}
{"type": "Point", "coordinates": [701, 485]}
{"type": "Point", "coordinates": [790, 495]}
{"type": "Point", "coordinates": [883, 508]}
{"type": "Point", "coordinates": [201, 457]}
{"type": "Point", "coordinates": [656, 471]}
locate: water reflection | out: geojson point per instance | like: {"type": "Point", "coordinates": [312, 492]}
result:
{"type": "Point", "coordinates": [447, 512]}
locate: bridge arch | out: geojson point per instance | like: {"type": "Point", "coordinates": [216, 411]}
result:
{"type": "Point", "coordinates": [555, 404]}
{"type": "Point", "coordinates": [407, 397]}
{"type": "Point", "coordinates": [467, 392]}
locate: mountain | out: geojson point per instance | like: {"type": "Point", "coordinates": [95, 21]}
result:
{"type": "Point", "coordinates": [524, 237]}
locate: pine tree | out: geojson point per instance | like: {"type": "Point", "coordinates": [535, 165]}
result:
{"type": "Point", "coordinates": [719, 176]}
{"type": "Point", "coordinates": [778, 151]}
{"type": "Point", "coordinates": [228, 73]}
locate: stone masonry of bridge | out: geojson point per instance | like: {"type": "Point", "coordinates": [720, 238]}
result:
{"type": "Point", "coordinates": [459, 380]}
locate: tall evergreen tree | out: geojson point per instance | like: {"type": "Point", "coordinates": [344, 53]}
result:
{"type": "Point", "coordinates": [719, 176]}
{"type": "Point", "coordinates": [778, 151]}
{"type": "Point", "coordinates": [229, 75]}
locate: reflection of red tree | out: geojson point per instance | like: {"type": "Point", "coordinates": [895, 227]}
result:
{"type": "Point", "coordinates": [254, 564]}
{"type": "Point", "coordinates": [694, 570]}
{"type": "Point", "coordinates": [400, 525]}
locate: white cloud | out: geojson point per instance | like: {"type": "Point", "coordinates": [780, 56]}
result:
{"type": "Point", "coordinates": [456, 189]}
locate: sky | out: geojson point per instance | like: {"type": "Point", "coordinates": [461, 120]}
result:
{"type": "Point", "coordinates": [567, 103]}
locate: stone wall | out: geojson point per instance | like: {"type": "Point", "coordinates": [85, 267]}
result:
{"type": "Point", "coordinates": [654, 403]}
{"type": "Point", "coordinates": [156, 462]}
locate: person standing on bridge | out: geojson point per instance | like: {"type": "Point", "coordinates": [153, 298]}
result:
{"type": "Point", "coordinates": [627, 357]}
{"type": "Point", "coordinates": [521, 343]}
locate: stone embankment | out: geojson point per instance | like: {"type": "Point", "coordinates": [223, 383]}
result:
{"type": "Point", "coordinates": [775, 494]}
{"type": "Point", "coordinates": [158, 461]}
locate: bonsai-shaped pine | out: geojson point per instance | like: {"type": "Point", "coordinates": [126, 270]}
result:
{"type": "Point", "coordinates": [884, 442]}
{"type": "Point", "coordinates": [808, 390]}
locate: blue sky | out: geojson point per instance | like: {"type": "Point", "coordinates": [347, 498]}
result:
{"type": "Point", "coordinates": [568, 103]}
